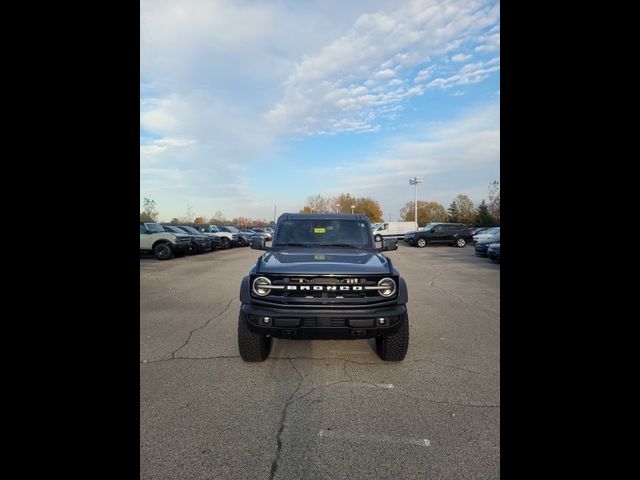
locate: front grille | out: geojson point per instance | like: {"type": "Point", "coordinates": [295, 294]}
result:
{"type": "Point", "coordinates": [325, 290]}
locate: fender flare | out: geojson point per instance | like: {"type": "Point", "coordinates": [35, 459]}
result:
{"type": "Point", "coordinates": [245, 293]}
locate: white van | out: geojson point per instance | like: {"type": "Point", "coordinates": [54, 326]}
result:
{"type": "Point", "coordinates": [392, 229]}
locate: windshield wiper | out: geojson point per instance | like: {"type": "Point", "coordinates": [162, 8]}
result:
{"type": "Point", "coordinates": [292, 244]}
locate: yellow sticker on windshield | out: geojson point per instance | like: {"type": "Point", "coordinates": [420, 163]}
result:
{"type": "Point", "coordinates": [320, 230]}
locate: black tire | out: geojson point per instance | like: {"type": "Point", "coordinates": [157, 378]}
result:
{"type": "Point", "coordinates": [254, 347]}
{"type": "Point", "coordinates": [242, 242]}
{"type": "Point", "coordinates": [393, 348]}
{"type": "Point", "coordinates": [163, 251]}
{"type": "Point", "coordinates": [421, 242]}
{"type": "Point", "coordinates": [378, 238]}
{"type": "Point", "coordinates": [194, 249]}
{"type": "Point", "coordinates": [226, 243]}
{"type": "Point", "coordinates": [461, 242]}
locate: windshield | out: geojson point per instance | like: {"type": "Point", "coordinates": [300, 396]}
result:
{"type": "Point", "coordinates": [231, 228]}
{"type": "Point", "coordinates": [327, 232]}
{"type": "Point", "coordinates": [189, 229]}
{"type": "Point", "coordinates": [154, 227]}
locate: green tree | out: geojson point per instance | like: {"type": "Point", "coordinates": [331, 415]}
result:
{"type": "Point", "coordinates": [149, 212]}
{"type": "Point", "coordinates": [427, 212]}
{"type": "Point", "coordinates": [454, 214]}
{"type": "Point", "coordinates": [466, 210]}
{"type": "Point", "coordinates": [483, 216]}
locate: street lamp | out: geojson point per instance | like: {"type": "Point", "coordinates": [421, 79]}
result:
{"type": "Point", "coordinates": [415, 181]}
{"type": "Point", "coordinates": [352, 207]}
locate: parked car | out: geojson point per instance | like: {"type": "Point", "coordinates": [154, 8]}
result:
{"type": "Point", "coordinates": [229, 240]}
{"type": "Point", "coordinates": [164, 245]}
{"type": "Point", "coordinates": [216, 242]}
{"type": "Point", "coordinates": [269, 236]}
{"type": "Point", "coordinates": [478, 230]}
{"type": "Point", "coordinates": [493, 252]}
{"type": "Point", "coordinates": [488, 233]}
{"type": "Point", "coordinates": [483, 245]}
{"type": "Point", "coordinates": [457, 234]}
{"type": "Point", "coordinates": [243, 238]}
{"type": "Point", "coordinates": [199, 243]}
{"type": "Point", "coordinates": [392, 229]}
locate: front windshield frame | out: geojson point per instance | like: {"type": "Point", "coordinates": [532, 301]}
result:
{"type": "Point", "coordinates": [324, 232]}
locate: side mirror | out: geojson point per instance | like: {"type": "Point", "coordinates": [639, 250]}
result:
{"type": "Point", "coordinates": [388, 244]}
{"type": "Point", "coordinates": [257, 243]}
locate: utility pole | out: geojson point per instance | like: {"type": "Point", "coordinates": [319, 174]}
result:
{"type": "Point", "coordinates": [415, 181]}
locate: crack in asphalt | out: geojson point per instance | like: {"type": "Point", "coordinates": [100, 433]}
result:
{"type": "Point", "coordinates": [489, 314]}
{"type": "Point", "coordinates": [276, 460]}
{"type": "Point", "coordinates": [160, 360]}
{"type": "Point", "coordinates": [173, 354]}
{"type": "Point", "coordinates": [344, 366]}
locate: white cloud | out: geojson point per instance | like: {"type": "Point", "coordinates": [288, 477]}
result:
{"type": "Point", "coordinates": [397, 41]}
{"type": "Point", "coordinates": [467, 74]}
{"type": "Point", "coordinates": [461, 57]}
{"type": "Point", "coordinates": [457, 93]}
{"type": "Point", "coordinates": [388, 73]}
{"type": "Point", "coordinates": [490, 43]}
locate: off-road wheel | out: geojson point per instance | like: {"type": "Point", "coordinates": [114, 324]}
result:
{"type": "Point", "coordinates": [461, 242]}
{"type": "Point", "coordinates": [422, 242]}
{"type": "Point", "coordinates": [254, 347]}
{"type": "Point", "coordinates": [163, 251]}
{"type": "Point", "coordinates": [393, 348]}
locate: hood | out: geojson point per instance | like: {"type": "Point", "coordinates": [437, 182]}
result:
{"type": "Point", "coordinates": [324, 261]}
{"type": "Point", "coordinates": [486, 240]}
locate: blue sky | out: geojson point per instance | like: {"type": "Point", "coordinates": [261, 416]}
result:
{"type": "Point", "coordinates": [247, 104]}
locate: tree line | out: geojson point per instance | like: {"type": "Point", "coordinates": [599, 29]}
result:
{"type": "Point", "coordinates": [150, 214]}
{"type": "Point", "coordinates": [344, 203]}
{"type": "Point", "coordinates": [461, 210]}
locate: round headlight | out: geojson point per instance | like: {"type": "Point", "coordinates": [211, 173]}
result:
{"type": "Point", "coordinates": [389, 287]}
{"type": "Point", "coordinates": [260, 286]}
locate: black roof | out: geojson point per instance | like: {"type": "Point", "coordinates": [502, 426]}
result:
{"type": "Point", "coordinates": [324, 216]}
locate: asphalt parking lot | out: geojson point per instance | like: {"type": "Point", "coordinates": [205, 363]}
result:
{"type": "Point", "coordinates": [319, 409]}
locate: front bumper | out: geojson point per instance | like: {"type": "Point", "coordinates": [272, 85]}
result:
{"type": "Point", "coordinates": [410, 240]}
{"type": "Point", "coordinates": [482, 250]}
{"type": "Point", "coordinates": [182, 247]}
{"type": "Point", "coordinates": [297, 323]}
{"type": "Point", "coordinates": [204, 245]}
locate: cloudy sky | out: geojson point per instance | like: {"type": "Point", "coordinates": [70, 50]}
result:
{"type": "Point", "coordinates": [247, 105]}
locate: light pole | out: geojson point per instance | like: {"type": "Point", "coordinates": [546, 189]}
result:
{"type": "Point", "coordinates": [352, 207]}
{"type": "Point", "coordinates": [415, 181]}
{"type": "Point", "coordinates": [337, 208]}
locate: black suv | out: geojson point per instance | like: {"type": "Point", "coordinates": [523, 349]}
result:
{"type": "Point", "coordinates": [199, 243]}
{"type": "Point", "coordinates": [323, 278]}
{"type": "Point", "coordinates": [457, 234]}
